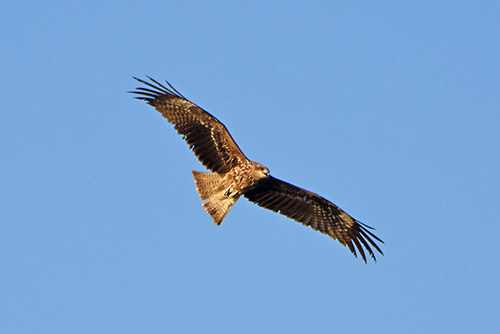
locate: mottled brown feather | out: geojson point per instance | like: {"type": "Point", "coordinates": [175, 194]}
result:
{"type": "Point", "coordinates": [313, 210]}
{"type": "Point", "coordinates": [206, 136]}
{"type": "Point", "coordinates": [215, 148]}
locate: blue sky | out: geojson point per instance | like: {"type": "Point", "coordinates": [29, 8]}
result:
{"type": "Point", "coordinates": [389, 110]}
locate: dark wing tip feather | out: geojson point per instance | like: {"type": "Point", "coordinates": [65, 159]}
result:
{"type": "Point", "coordinates": [143, 95]}
{"type": "Point", "coordinates": [360, 248]}
{"type": "Point", "coordinates": [365, 237]}
{"type": "Point", "coordinates": [352, 249]}
{"type": "Point", "coordinates": [156, 90]}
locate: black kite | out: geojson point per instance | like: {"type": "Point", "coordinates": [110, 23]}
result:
{"type": "Point", "coordinates": [233, 174]}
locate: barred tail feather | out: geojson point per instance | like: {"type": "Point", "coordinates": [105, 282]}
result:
{"type": "Point", "coordinates": [206, 183]}
{"type": "Point", "coordinates": [211, 190]}
{"type": "Point", "coordinates": [218, 208]}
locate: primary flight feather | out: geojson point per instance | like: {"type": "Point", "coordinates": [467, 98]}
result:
{"type": "Point", "coordinates": [233, 174]}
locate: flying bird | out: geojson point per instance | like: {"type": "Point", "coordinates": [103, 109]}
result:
{"type": "Point", "coordinates": [233, 174]}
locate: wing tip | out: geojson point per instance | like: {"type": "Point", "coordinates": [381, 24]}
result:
{"type": "Point", "coordinates": [157, 90]}
{"type": "Point", "coordinates": [365, 237]}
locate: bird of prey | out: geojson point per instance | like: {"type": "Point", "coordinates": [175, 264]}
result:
{"type": "Point", "coordinates": [234, 175]}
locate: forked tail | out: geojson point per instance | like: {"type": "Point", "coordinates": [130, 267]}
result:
{"type": "Point", "coordinates": [212, 192]}
{"type": "Point", "coordinates": [218, 208]}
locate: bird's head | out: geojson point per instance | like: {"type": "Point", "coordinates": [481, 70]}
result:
{"type": "Point", "coordinates": [260, 171]}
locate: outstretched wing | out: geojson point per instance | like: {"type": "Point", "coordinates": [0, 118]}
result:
{"type": "Point", "coordinates": [313, 210]}
{"type": "Point", "coordinates": [205, 135]}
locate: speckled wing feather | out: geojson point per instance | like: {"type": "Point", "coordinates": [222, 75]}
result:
{"type": "Point", "coordinates": [206, 136]}
{"type": "Point", "coordinates": [313, 210]}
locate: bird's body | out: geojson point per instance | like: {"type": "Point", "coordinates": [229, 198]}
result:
{"type": "Point", "coordinates": [220, 191]}
{"type": "Point", "coordinates": [234, 175]}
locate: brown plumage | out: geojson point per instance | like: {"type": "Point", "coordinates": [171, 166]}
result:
{"type": "Point", "coordinates": [233, 174]}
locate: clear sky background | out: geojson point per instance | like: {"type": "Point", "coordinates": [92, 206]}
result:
{"type": "Point", "coordinates": [390, 110]}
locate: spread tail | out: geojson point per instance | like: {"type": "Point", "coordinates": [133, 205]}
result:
{"type": "Point", "coordinates": [218, 208]}
{"type": "Point", "coordinates": [206, 183]}
{"type": "Point", "coordinates": [211, 190]}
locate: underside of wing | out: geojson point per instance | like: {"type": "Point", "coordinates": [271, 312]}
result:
{"type": "Point", "coordinates": [313, 210]}
{"type": "Point", "coordinates": [209, 139]}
